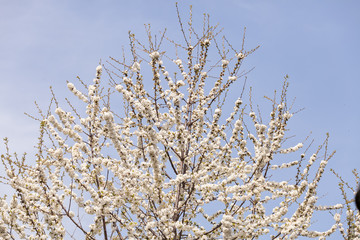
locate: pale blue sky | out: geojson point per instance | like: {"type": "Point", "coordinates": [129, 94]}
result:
{"type": "Point", "coordinates": [316, 43]}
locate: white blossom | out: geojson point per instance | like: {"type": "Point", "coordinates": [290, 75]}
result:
{"type": "Point", "coordinates": [240, 55]}
{"type": "Point", "coordinates": [135, 67]}
{"type": "Point", "coordinates": [178, 61]}
{"type": "Point", "coordinates": [232, 78]}
{"type": "Point", "coordinates": [224, 62]}
{"type": "Point", "coordinates": [154, 55]}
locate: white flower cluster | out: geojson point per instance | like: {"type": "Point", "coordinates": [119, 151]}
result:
{"type": "Point", "coordinates": [240, 55]}
{"type": "Point", "coordinates": [135, 67]}
{"type": "Point", "coordinates": [224, 62]}
{"type": "Point", "coordinates": [77, 93]}
{"type": "Point", "coordinates": [98, 74]}
{"type": "Point", "coordinates": [155, 57]}
{"type": "Point", "coordinates": [227, 225]}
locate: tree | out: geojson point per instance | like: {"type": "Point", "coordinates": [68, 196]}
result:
{"type": "Point", "coordinates": [173, 163]}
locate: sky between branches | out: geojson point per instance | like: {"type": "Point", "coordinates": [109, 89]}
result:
{"type": "Point", "coordinates": [45, 43]}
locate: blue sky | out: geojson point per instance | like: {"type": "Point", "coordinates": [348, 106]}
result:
{"type": "Point", "coordinates": [45, 43]}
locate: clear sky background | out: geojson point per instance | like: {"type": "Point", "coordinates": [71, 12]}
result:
{"type": "Point", "coordinates": [316, 43]}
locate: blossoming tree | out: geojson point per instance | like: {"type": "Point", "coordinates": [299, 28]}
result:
{"type": "Point", "coordinates": [159, 154]}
